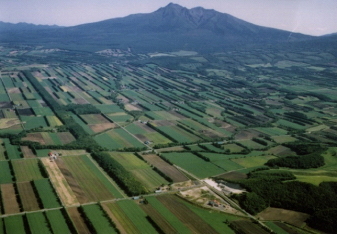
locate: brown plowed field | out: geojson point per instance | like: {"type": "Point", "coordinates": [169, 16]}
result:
{"type": "Point", "coordinates": [78, 221]}
{"type": "Point", "coordinates": [158, 219]}
{"type": "Point", "coordinates": [27, 152]}
{"type": "Point", "coordinates": [123, 223]}
{"type": "Point", "coordinates": [107, 208]}
{"type": "Point", "coordinates": [28, 197]}
{"type": "Point", "coordinates": [185, 215]}
{"type": "Point", "coordinates": [35, 137]}
{"type": "Point", "coordinates": [11, 205]}
{"type": "Point", "coordinates": [66, 137]}
{"type": "Point", "coordinates": [60, 183]}
{"type": "Point", "coordinates": [101, 127]}
{"type": "Point", "coordinates": [75, 187]}
{"type": "Point", "coordinates": [295, 218]}
{"type": "Point", "coordinates": [166, 168]}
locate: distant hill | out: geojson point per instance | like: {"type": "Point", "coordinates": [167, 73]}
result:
{"type": "Point", "coordinates": [169, 28]}
{"type": "Point", "coordinates": [5, 27]}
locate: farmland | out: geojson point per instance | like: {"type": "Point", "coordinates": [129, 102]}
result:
{"type": "Point", "coordinates": [161, 125]}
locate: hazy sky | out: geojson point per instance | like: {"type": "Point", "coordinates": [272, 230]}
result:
{"type": "Point", "coordinates": [315, 17]}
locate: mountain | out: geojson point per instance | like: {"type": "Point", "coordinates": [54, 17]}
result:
{"type": "Point", "coordinates": [169, 28]}
{"type": "Point", "coordinates": [5, 27]}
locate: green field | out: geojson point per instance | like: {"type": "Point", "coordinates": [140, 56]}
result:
{"type": "Point", "coordinates": [14, 224]}
{"type": "Point", "coordinates": [117, 139]}
{"type": "Point", "coordinates": [98, 220]}
{"type": "Point", "coordinates": [12, 150]}
{"type": "Point", "coordinates": [252, 161]}
{"type": "Point", "coordinates": [46, 193]}
{"type": "Point", "coordinates": [38, 223]}
{"type": "Point", "coordinates": [179, 134]}
{"type": "Point", "coordinates": [6, 176]}
{"type": "Point", "coordinates": [91, 180]}
{"type": "Point", "coordinates": [192, 164]}
{"type": "Point", "coordinates": [27, 170]}
{"type": "Point", "coordinates": [170, 218]}
{"type": "Point", "coordinates": [140, 170]}
{"type": "Point", "coordinates": [57, 222]}
{"type": "Point", "coordinates": [137, 216]}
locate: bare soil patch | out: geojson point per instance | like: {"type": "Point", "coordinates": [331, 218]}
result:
{"type": "Point", "coordinates": [163, 123]}
{"type": "Point", "coordinates": [66, 137]}
{"type": "Point", "coordinates": [13, 90]}
{"type": "Point", "coordinates": [141, 137]}
{"type": "Point", "coordinates": [246, 134]}
{"type": "Point", "coordinates": [176, 114]}
{"type": "Point", "coordinates": [293, 217]}
{"type": "Point", "coordinates": [11, 205]}
{"type": "Point", "coordinates": [281, 151]}
{"type": "Point", "coordinates": [71, 152]}
{"type": "Point", "coordinates": [175, 148]}
{"type": "Point", "coordinates": [80, 101]}
{"type": "Point", "coordinates": [63, 189]}
{"type": "Point", "coordinates": [35, 137]}
{"type": "Point", "coordinates": [27, 152]}
{"type": "Point", "coordinates": [166, 168]}
{"type": "Point", "coordinates": [27, 196]}
{"type": "Point", "coordinates": [6, 105]}
{"type": "Point", "coordinates": [145, 127]}
{"type": "Point", "coordinates": [101, 127]}
{"type": "Point", "coordinates": [116, 221]}
{"type": "Point", "coordinates": [78, 221]}
{"type": "Point", "coordinates": [131, 107]}
{"type": "Point", "coordinates": [9, 122]}
{"type": "Point", "coordinates": [75, 187]}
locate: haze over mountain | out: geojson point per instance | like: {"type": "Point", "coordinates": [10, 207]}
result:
{"type": "Point", "coordinates": [169, 28]}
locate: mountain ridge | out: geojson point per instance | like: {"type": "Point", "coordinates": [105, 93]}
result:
{"type": "Point", "coordinates": [172, 27]}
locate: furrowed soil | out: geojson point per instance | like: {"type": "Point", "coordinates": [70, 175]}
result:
{"type": "Point", "coordinates": [35, 137]}
{"type": "Point", "coordinates": [75, 187]}
{"type": "Point", "coordinates": [78, 221]}
{"type": "Point", "coordinates": [101, 127]}
{"type": "Point", "coordinates": [295, 218]}
{"type": "Point", "coordinates": [166, 168]}
{"type": "Point", "coordinates": [27, 152]}
{"type": "Point", "coordinates": [11, 205]}
{"type": "Point", "coordinates": [60, 183]}
{"type": "Point", "coordinates": [118, 224]}
{"type": "Point", "coordinates": [185, 215]}
{"type": "Point", "coordinates": [66, 137]}
{"type": "Point", "coordinates": [27, 196]}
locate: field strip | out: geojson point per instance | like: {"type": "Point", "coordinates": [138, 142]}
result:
{"type": "Point", "coordinates": [61, 185]}
{"type": "Point", "coordinates": [108, 177]}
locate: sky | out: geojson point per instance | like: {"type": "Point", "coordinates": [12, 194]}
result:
{"type": "Point", "coordinates": [312, 17]}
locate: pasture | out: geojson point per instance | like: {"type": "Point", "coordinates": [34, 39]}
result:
{"type": "Point", "coordinates": [88, 178]}
{"type": "Point", "coordinates": [98, 220]}
{"type": "Point", "coordinates": [192, 164]}
{"type": "Point", "coordinates": [141, 170]}
{"type": "Point", "coordinates": [57, 221]}
{"type": "Point", "coordinates": [46, 194]}
{"type": "Point", "coordinates": [38, 223]}
{"type": "Point", "coordinates": [27, 196]}
{"type": "Point", "coordinates": [27, 170]}
{"type": "Point", "coordinates": [117, 139]}
{"type": "Point", "coordinates": [173, 173]}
